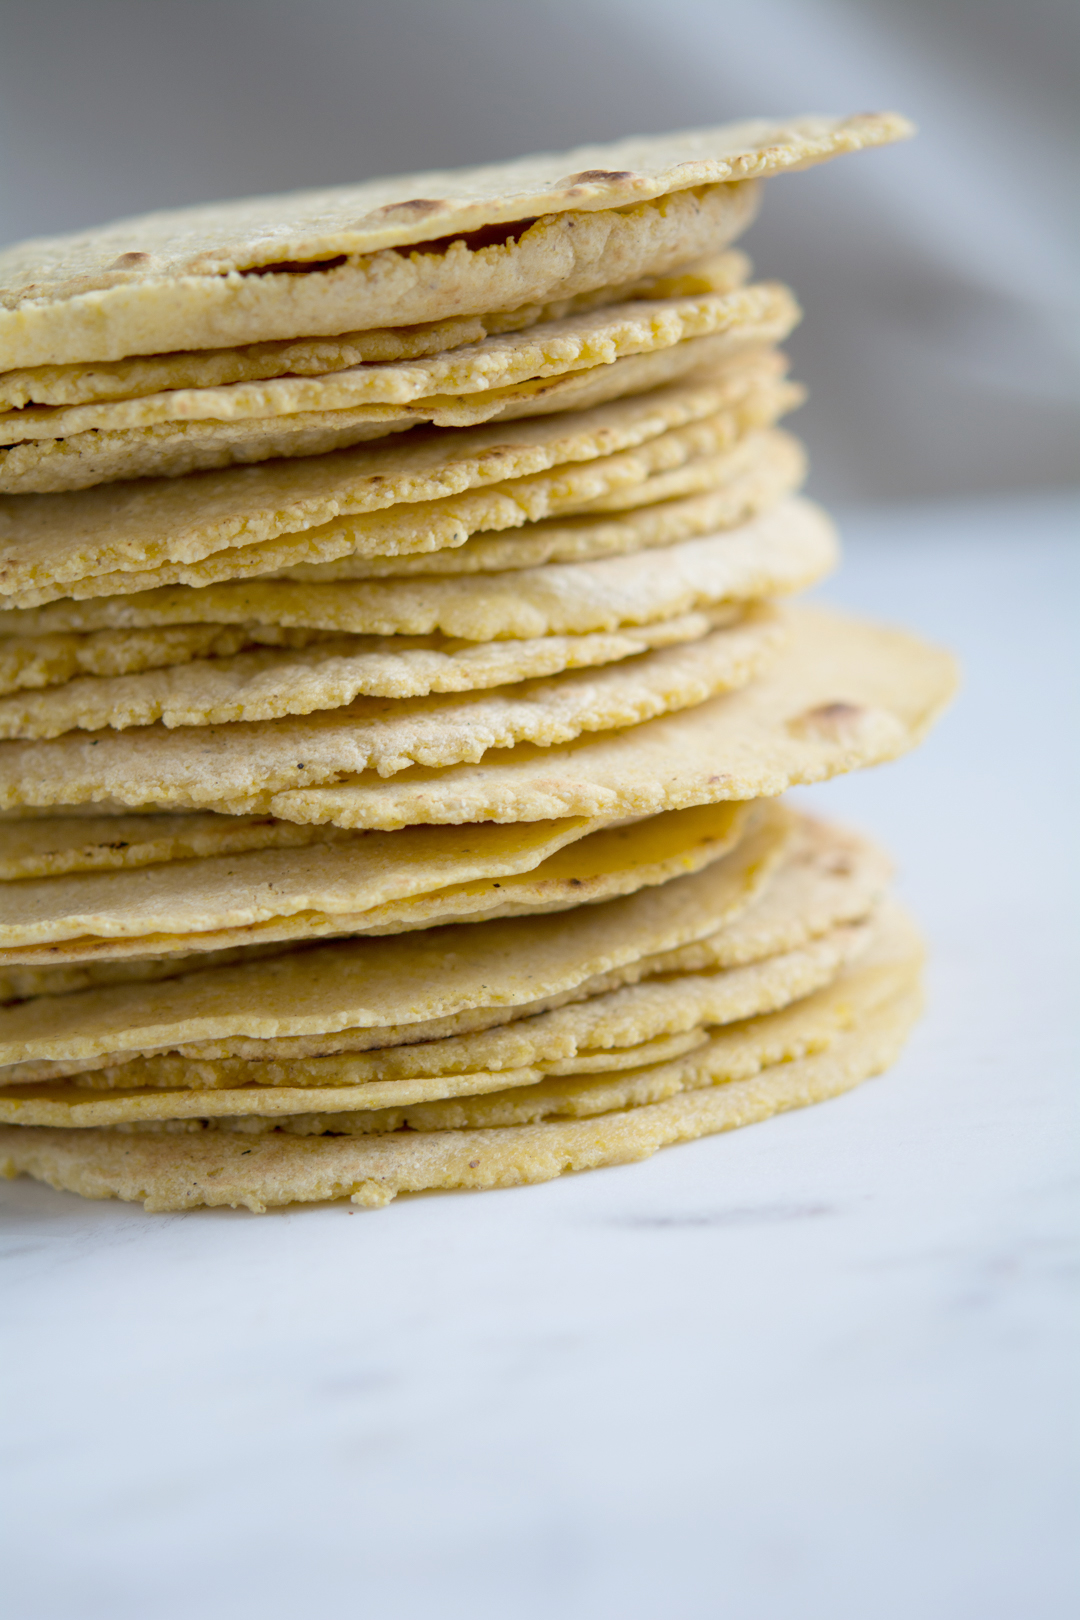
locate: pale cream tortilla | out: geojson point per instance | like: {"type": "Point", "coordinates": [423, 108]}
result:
{"type": "Point", "coordinates": [547, 349]}
{"type": "Point", "coordinates": [176, 280]}
{"type": "Point", "coordinates": [51, 542]}
{"type": "Point", "coordinates": [135, 377]}
{"type": "Point", "coordinates": [243, 766]}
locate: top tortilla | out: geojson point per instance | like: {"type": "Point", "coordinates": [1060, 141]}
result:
{"type": "Point", "coordinates": [118, 290]}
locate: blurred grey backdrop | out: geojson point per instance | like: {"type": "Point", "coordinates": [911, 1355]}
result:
{"type": "Point", "coordinates": [942, 339]}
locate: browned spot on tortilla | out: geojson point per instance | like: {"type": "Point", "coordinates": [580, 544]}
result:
{"type": "Point", "coordinates": [830, 722]}
{"type": "Point", "coordinates": [415, 205]}
{"type": "Point", "coordinates": [587, 175]}
{"type": "Point", "coordinates": [131, 261]}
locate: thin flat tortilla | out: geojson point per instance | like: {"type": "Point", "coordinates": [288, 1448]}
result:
{"type": "Point", "coordinates": [135, 377]}
{"type": "Point", "coordinates": [552, 599]}
{"type": "Point", "coordinates": [175, 280]}
{"type": "Point", "coordinates": [764, 467]}
{"type": "Point", "coordinates": [170, 449]}
{"type": "Point", "coordinates": [657, 1003]}
{"type": "Point", "coordinates": [794, 880]}
{"type": "Point", "coordinates": [407, 979]}
{"type": "Point", "coordinates": [168, 1172]}
{"type": "Point", "coordinates": [368, 1106]}
{"type": "Point", "coordinates": [547, 349]}
{"type": "Point", "coordinates": [369, 878]}
{"type": "Point", "coordinates": [268, 684]}
{"type": "Point", "coordinates": [243, 766]}
{"type": "Point", "coordinates": [51, 542]}
{"type": "Point", "coordinates": [842, 694]}
{"type": "Point", "coordinates": [754, 396]}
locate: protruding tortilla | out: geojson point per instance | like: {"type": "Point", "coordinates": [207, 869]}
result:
{"type": "Point", "coordinates": [249, 762]}
{"type": "Point", "coordinates": [183, 279]}
{"type": "Point", "coordinates": [842, 694]}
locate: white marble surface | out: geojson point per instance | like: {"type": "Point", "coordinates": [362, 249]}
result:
{"type": "Point", "coordinates": [818, 1369]}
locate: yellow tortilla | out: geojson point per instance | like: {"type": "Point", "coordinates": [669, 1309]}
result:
{"type": "Point", "coordinates": [407, 979]}
{"type": "Point", "coordinates": [49, 543]}
{"type": "Point", "coordinates": [791, 881]}
{"type": "Point", "coordinates": [378, 882]}
{"type": "Point", "coordinates": [268, 684]}
{"type": "Point", "coordinates": [842, 694]}
{"type": "Point", "coordinates": [329, 1086]}
{"type": "Point", "coordinates": [169, 1171]}
{"type": "Point", "coordinates": [245, 765]}
{"type": "Point", "coordinates": [547, 349]}
{"type": "Point", "coordinates": [759, 472]}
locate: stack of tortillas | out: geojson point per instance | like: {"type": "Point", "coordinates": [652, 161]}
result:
{"type": "Point", "coordinates": [397, 694]}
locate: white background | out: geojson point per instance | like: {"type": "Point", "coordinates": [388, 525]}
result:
{"type": "Point", "coordinates": [821, 1369]}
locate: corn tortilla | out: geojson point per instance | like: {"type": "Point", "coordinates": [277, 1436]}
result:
{"type": "Point", "coordinates": [790, 881]}
{"type": "Point", "coordinates": [553, 348]}
{"type": "Point", "coordinates": [177, 280]}
{"type": "Point", "coordinates": [366, 873]}
{"type": "Point", "coordinates": [168, 1172]}
{"type": "Point", "coordinates": [243, 766]}
{"type": "Point", "coordinates": [49, 542]}
{"type": "Point", "coordinates": [136, 376]}
{"type": "Point", "coordinates": [170, 449]}
{"type": "Point", "coordinates": [370, 1106]}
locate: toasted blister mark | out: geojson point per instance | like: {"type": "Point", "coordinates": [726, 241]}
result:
{"type": "Point", "coordinates": [169, 1170]}
{"type": "Point", "coordinates": [107, 535]}
{"type": "Point", "coordinates": [245, 765]}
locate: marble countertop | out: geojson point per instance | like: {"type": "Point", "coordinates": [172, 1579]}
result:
{"type": "Point", "coordinates": [820, 1368]}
